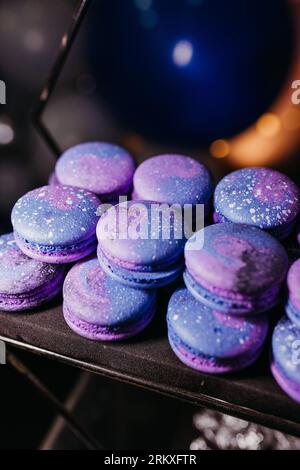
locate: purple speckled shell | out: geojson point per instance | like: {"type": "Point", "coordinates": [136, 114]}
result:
{"type": "Point", "coordinates": [24, 282]}
{"type": "Point", "coordinates": [285, 363]}
{"type": "Point", "coordinates": [56, 223]}
{"type": "Point", "coordinates": [261, 197]}
{"type": "Point", "coordinates": [237, 262]}
{"type": "Point", "coordinates": [98, 307]}
{"type": "Point", "coordinates": [209, 341]}
{"type": "Point", "coordinates": [174, 179]}
{"type": "Point", "coordinates": [102, 168]}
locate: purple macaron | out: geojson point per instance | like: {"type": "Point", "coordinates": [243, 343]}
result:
{"type": "Point", "coordinates": [261, 197]}
{"type": "Point", "coordinates": [104, 169]}
{"type": "Point", "coordinates": [239, 270]}
{"type": "Point", "coordinates": [56, 224]}
{"type": "Point", "coordinates": [139, 245]}
{"type": "Point", "coordinates": [293, 304]}
{"type": "Point", "coordinates": [25, 283]}
{"type": "Point", "coordinates": [209, 341]}
{"type": "Point", "coordinates": [173, 179]}
{"type": "Point", "coordinates": [285, 363]}
{"type": "Point", "coordinates": [99, 308]}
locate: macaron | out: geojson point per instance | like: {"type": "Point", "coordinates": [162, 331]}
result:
{"type": "Point", "coordinates": [293, 304]}
{"type": "Point", "coordinates": [56, 224]}
{"type": "Point", "coordinates": [285, 363]}
{"type": "Point", "coordinates": [134, 247]}
{"type": "Point", "coordinates": [239, 270]}
{"type": "Point", "coordinates": [261, 197]}
{"type": "Point", "coordinates": [53, 181]}
{"type": "Point", "coordinates": [209, 341]}
{"type": "Point", "coordinates": [173, 179]}
{"type": "Point", "coordinates": [99, 308]}
{"type": "Point", "coordinates": [102, 168]}
{"type": "Point", "coordinates": [25, 283]}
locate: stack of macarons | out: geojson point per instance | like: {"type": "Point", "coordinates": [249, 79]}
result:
{"type": "Point", "coordinates": [233, 276]}
{"type": "Point", "coordinates": [285, 364]}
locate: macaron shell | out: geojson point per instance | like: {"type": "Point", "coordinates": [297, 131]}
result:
{"type": "Point", "coordinates": [236, 258]}
{"type": "Point", "coordinates": [286, 350]}
{"type": "Point", "coordinates": [96, 298]}
{"type": "Point", "coordinates": [56, 215]}
{"type": "Point", "coordinates": [257, 196]}
{"type": "Point", "coordinates": [173, 179]}
{"type": "Point", "coordinates": [99, 167]}
{"type": "Point", "coordinates": [288, 386]}
{"type": "Point", "coordinates": [122, 237]}
{"type": "Point", "coordinates": [211, 365]}
{"type": "Point", "coordinates": [212, 333]}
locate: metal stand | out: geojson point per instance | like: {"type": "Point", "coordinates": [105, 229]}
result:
{"type": "Point", "coordinates": [65, 46]}
{"type": "Point", "coordinates": [79, 431]}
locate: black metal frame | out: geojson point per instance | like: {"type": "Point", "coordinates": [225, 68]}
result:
{"type": "Point", "coordinates": [65, 47]}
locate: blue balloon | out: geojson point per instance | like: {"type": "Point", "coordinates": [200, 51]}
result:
{"type": "Point", "coordinates": [190, 70]}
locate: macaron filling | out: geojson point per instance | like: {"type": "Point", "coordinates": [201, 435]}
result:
{"type": "Point", "coordinates": [107, 332]}
{"type": "Point", "coordinates": [57, 253]}
{"type": "Point", "coordinates": [228, 301]}
{"type": "Point", "coordinates": [144, 278]}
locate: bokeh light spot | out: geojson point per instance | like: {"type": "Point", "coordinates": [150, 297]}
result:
{"type": "Point", "coordinates": [183, 53]}
{"type": "Point", "coordinates": [220, 148]}
{"type": "Point", "coordinates": [268, 125]}
{"type": "Point", "coordinates": [6, 134]}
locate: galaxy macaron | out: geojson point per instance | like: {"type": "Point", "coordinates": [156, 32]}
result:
{"type": "Point", "coordinates": [239, 270]}
{"type": "Point", "coordinates": [25, 283]}
{"type": "Point", "coordinates": [56, 224]}
{"type": "Point", "coordinates": [133, 248]}
{"type": "Point", "coordinates": [173, 179]}
{"type": "Point", "coordinates": [99, 308]}
{"type": "Point", "coordinates": [209, 341]}
{"type": "Point", "coordinates": [285, 363]}
{"type": "Point", "coordinates": [102, 168]}
{"type": "Point", "coordinates": [257, 196]}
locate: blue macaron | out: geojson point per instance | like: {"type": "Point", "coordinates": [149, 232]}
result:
{"type": "Point", "coordinates": [56, 224]}
{"type": "Point", "coordinates": [261, 197]}
{"type": "Point", "coordinates": [99, 308]}
{"type": "Point", "coordinates": [285, 363]}
{"type": "Point", "coordinates": [137, 248]}
{"type": "Point", "coordinates": [209, 341]}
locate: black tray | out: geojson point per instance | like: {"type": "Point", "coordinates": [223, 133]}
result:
{"type": "Point", "coordinates": [148, 361]}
